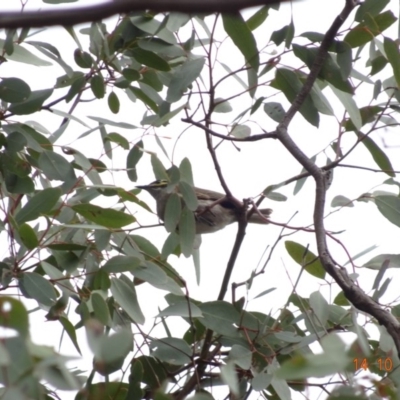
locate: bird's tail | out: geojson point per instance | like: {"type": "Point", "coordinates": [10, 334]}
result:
{"type": "Point", "coordinates": [256, 218]}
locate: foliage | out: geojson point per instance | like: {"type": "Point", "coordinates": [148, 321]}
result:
{"type": "Point", "coordinates": [70, 230]}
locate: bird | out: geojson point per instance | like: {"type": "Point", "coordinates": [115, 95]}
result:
{"type": "Point", "coordinates": [214, 212]}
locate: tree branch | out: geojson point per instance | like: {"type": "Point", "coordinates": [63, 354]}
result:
{"type": "Point", "coordinates": [77, 15]}
{"type": "Point", "coordinates": [352, 292]}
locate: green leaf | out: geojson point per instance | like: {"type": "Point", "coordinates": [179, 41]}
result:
{"type": "Point", "coordinates": [113, 103]}
{"type": "Point", "coordinates": [54, 165]}
{"type": "Point", "coordinates": [187, 231]}
{"type": "Point", "coordinates": [83, 59]}
{"type": "Point", "coordinates": [344, 59]}
{"type": "Point", "coordinates": [377, 65]}
{"type": "Point", "coordinates": [379, 156]}
{"type": "Point", "coordinates": [366, 31]}
{"type": "Point", "coordinates": [376, 263]}
{"type": "Point", "coordinates": [341, 300]}
{"type": "Point", "coordinates": [189, 195]}
{"type": "Point", "coordinates": [241, 131]}
{"type": "Point", "coordinates": [143, 97]}
{"type": "Point", "coordinates": [70, 329]}
{"type": "Point", "coordinates": [158, 278]}
{"type": "Point", "coordinates": [119, 139]}
{"type": "Point", "coordinates": [108, 217]}
{"type": "Point", "coordinates": [41, 203]}
{"type": "Point", "coordinates": [372, 7]}
{"type": "Point", "coordinates": [182, 309]}
{"type": "Point", "coordinates": [125, 295]}
{"type": "Point", "coordinates": [171, 246]}
{"type": "Point", "coordinates": [28, 236]}
{"type": "Point", "coordinates": [158, 168]}
{"type": "Point", "coordinates": [20, 54]}
{"type": "Point", "coordinates": [275, 111]}
{"type": "Point", "coordinates": [222, 106]}
{"type": "Point", "coordinates": [14, 90]}
{"type": "Point", "coordinates": [186, 174]}
{"type": "Point", "coordinates": [106, 121]}
{"type": "Point", "coordinates": [131, 74]}
{"type": "Point", "coordinates": [14, 315]}
{"type": "Point", "coordinates": [258, 18]}
{"type": "Point", "coordinates": [276, 196]}
{"type": "Point", "coordinates": [389, 206]}
{"type": "Point", "coordinates": [172, 212]}
{"type": "Point", "coordinates": [289, 34]}
{"type": "Point", "coordinates": [122, 264]}
{"type": "Point", "coordinates": [150, 59]}
{"type": "Point", "coordinates": [290, 84]}
{"type": "Point", "coordinates": [341, 201]}
{"type": "Point", "coordinates": [183, 77]}
{"type": "Point", "coordinates": [76, 87]}
{"type": "Point", "coordinates": [171, 350]}
{"type": "Point", "coordinates": [392, 53]}
{"type": "Point", "coordinates": [134, 155]}
{"type": "Point", "coordinates": [330, 71]}
{"type": "Point", "coordinates": [97, 85]}
{"type": "Point", "coordinates": [100, 308]}
{"type": "Point", "coordinates": [305, 258]}
{"type": "Point", "coordinates": [280, 35]}
{"type": "Point", "coordinates": [221, 317]}
{"type": "Point", "coordinates": [241, 35]}
{"type": "Point", "coordinates": [38, 288]}
{"type": "Point", "coordinates": [333, 360]}
{"type": "Point", "coordinates": [349, 105]}
{"type": "Point", "coordinates": [33, 104]}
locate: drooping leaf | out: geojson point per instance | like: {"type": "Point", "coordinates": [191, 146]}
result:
{"type": "Point", "coordinates": [113, 103]}
{"type": "Point", "coordinates": [125, 295]}
{"type": "Point", "coordinates": [172, 213]}
{"type": "Point", "coordinates": [349, 105]}
{"type": "Point", "coordinates": [97, 85]}
{"type": "Point", "coordinates": [183, 77]}
{"type": "Point", "coordinates": [28, 236]}
{"type": "Point", "coordinates": [258, 18]}
{"type": "Point", "coordinates": [289, 83]}
{"type": "Point", "coordinates": [158, 168]}
{"type": "Point", "coordinates": [305, 258]}
{"type": "Point", "coordinates": [242, 37]}
{"type": "Point", "coordinates": [187, 231]}
{"type": "Point", "coordinates": [392, 53]}
{"type": "Point", "coordinates": [379, 156]}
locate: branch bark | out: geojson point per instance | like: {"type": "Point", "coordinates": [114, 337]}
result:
{"type": "Point", "coordinates": [77, 15]}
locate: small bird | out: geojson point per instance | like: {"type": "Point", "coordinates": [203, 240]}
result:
{"type": "Point", "coordinates": [214, 210]}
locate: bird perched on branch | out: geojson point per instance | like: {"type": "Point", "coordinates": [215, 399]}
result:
{"type": "Point", "coordinates": [214, 211]}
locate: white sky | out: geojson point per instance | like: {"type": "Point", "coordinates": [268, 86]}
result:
{"type": "Point", "coordinates": [247, 173]}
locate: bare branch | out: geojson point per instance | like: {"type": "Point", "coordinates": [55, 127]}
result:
{"type": "Point", "coordinates": [78, 15]}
